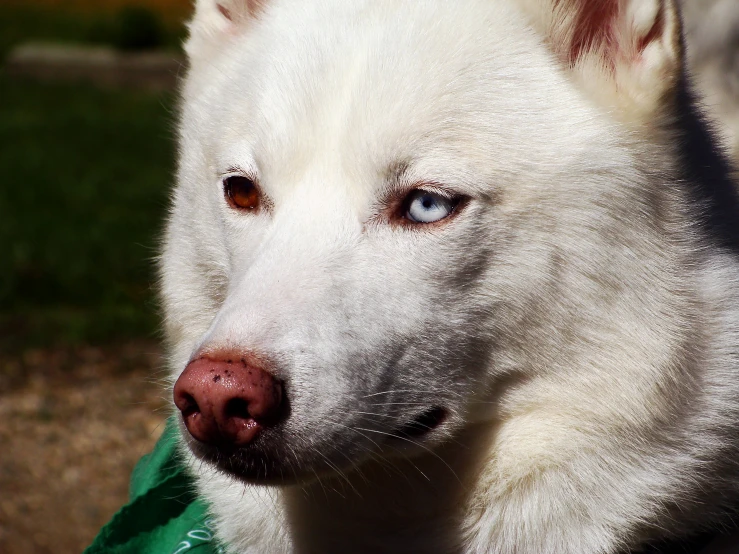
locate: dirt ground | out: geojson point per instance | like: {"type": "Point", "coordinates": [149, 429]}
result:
{"type": "Point", "coordinates": [73, 422]}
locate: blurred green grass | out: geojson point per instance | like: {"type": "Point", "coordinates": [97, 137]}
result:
{"type": "Point", "coordinates": [84, 179]}
{"type": "Point", "coordinates": [21, 22]}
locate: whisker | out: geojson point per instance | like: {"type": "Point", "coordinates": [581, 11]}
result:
{"type": "Point", "coordinates": [403, 391]}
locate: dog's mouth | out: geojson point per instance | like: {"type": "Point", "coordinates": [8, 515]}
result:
{"type": "Point", "coordinates": [423, 424]}
{"type": "Point", "coordinates": [261, 465]}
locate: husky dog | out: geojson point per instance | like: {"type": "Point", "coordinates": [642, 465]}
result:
{"type": "Point", "coordinates": [452, 277]}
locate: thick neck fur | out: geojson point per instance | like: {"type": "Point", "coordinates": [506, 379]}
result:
{"type": "Point", "coordinates": [708, 177]}
{"type": "Point", "coordinates": [633, 436]}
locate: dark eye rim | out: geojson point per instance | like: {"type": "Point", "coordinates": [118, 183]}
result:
{"type": "Point", "coordinates": [228, 183]}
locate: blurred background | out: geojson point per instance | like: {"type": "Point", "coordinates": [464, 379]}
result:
{"type": "Point", "coordinates": [87, 115]}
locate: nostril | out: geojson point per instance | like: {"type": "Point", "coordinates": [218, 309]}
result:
{"type": "Point", "coordinates": [237, 408]}
{"type": "Point", "coordinates": [187, 405]}
{"type": "Point", "coordinates": [227, 403]}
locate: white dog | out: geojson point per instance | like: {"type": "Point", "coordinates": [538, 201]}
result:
{"type": "Point", "coordinates": [452, 277]}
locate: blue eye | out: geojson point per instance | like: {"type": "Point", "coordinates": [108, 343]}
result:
{"type": "Point", "coordinates": [423, 206]}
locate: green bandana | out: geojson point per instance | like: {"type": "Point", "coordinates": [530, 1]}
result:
{"type": "Point", "coordinates": [163, 515]}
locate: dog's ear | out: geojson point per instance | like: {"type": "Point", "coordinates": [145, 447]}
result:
{"type": "Point", "coordinates": [217, 20]}
{"type": "Point", "coordinates": [628, 52]}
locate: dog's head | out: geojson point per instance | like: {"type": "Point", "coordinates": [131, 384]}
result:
{"type": "Point", "coordinates": [385, 208]}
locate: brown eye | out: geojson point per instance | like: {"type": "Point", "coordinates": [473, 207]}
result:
{"type": "Point", "coordinates": [241, 192]}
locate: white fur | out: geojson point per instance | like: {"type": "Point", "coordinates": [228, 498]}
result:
{"type": "Point", "coordinates": [572, 318]}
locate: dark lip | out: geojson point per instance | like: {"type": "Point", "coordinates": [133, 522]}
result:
{"type": "Point", "coordinates": [423, 424]}
{"type": "Point", "coordinates": [248, 465]}
{"type": "Point", "coordinates": [253, 464]}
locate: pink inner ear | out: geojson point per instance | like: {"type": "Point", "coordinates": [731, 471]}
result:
{"type": "Point", "coordinates": [224, 12]}
{"type": "Point", "coordinates": [253, 6]}
{"type": "Point", "coordinates": [654, 33]}
{"type": "Point", "coordinates": [593, 26]}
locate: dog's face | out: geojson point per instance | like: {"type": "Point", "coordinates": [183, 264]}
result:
{"type": "Point", "coordinates": [377, 208]}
